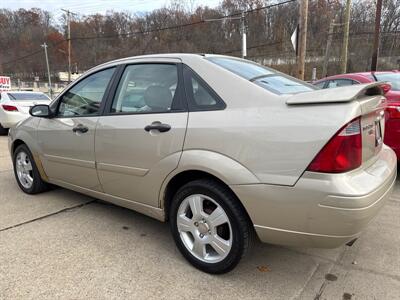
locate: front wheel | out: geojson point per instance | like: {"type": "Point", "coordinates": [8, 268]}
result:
{"type": "Point", "coordinates": [209, 226]}
{"type": "Point", "coordinates": [26, 172]}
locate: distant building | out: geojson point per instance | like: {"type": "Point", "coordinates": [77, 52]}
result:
{"type": "Point", "coordinates": [63, 76]}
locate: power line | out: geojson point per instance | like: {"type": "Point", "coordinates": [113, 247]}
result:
{"type": "Point", "coordinates": [182, 25]}
{"type": "Point", "coordinates": [31, 54]}
{"type": "Point", "coordinates": [156, 29]}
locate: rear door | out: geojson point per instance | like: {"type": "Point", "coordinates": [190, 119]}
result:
{"type": "Point", "coordinates": [67, 140]}
{"type": "Point", "coordinates": [140, 137]}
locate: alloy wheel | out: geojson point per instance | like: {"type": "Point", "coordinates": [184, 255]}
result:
{"type": "Point", "coordinates": [204, 228]}
{"type": "Point", "coordinates": [24, 169]}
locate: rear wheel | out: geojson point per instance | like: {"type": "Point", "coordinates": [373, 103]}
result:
{"type": "Point", "coordinates": [26, 172]}
{"type": "Point", "coordinates": [3, 131]}
{"type": "Point", "coordinates": [209, 226]}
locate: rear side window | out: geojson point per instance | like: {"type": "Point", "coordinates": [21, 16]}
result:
{"type": "Point", "coordinates": [320, 84]}
{"type": "Point", "coordinates": [267, 78]}
{"type": "Point", "coordinates": [27, 96]}
{"type": "Point", "coordinates": [340, 82]}
{"type": "Point", "coordinates": [199, 93]}
{"type": "Point", "coordinates": [147, 88]}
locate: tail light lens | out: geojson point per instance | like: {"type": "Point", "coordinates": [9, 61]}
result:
{"type": "Point", "coordinates": [9, 107]}
{"type": "Point", "coordinates": [342, 153]}
{"type": "Point", "coordinates": [393, 112]}
{"type": "Point", "coordinates": [386, 87]}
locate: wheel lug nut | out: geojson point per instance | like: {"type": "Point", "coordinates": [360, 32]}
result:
{"type": "Point", "coordinates": [201, 235]}
{"type": "Point", "coordinates": [209, 232]}
{"type": "Point", "coordinates": [196, 224]}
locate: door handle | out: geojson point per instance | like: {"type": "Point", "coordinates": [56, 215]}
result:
{"type": "Point", "coordinates": [80, 128]}
{"type": "Point", "coordinates": [161, 127]}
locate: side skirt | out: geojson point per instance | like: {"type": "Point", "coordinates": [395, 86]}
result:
{"type": "Point", "coordinates": [154, 212]}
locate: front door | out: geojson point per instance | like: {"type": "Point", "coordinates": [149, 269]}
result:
{"type": "Point", "coordinates": [140, 137]}
{"type": "Point", "coordinates": [67, 140]}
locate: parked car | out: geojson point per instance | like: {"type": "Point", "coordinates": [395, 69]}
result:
{"type": "Point", "coordinates": [15, 105]}
{"type": "Point", "coordinates": [392, 93]}
{"type": "Point", "coordinates": [221, 147]}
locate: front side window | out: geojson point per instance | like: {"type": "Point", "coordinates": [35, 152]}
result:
{"type": "Point", "coordinates": [267, 78]}
{"type": "Point", "coordinates": [146, 88]}
{"type": "Point", "coordinates": [85, 97]}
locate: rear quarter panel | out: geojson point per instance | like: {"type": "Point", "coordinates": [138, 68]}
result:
{"type": "Point", "coordinates": [274, 141]}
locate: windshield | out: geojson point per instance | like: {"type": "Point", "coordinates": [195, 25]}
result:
{"type": "Point", "coordinates": [244, 69]}
{"type": "Point", "coordinates": [393, 78]}
{"type": "Point", "coordinates": [282, 85]}
{"type": "Point", "coordinates": [267, 78]}
{"type": "Point", "coordinates": [27, 96]}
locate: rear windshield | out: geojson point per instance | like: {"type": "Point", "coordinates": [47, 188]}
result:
{"type": "Point", "coordinates": [267, 78]}
{"type": "Point", "coordinates": [393, 78]}
{"type": "Point", "coordinates": [27, 96]}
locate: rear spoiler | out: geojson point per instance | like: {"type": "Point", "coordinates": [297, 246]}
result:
{"type": "Point", "coordinates": [335, 95]}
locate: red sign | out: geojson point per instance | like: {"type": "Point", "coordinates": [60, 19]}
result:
{"type": "Point", "coordinates": [5, 83]}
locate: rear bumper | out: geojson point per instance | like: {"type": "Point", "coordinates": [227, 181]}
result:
{"type": "Point", "coordinates": [321, 210]}
{"type": "Point", "coordinates": [10, 119]}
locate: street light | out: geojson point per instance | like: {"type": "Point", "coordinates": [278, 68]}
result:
{"type": "Point", "coordinates": [243, 30]}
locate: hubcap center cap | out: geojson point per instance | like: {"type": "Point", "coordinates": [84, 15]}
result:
{"type": "Point", "coordinates": [203, 228]}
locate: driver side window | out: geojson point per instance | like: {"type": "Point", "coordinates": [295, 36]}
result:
{"type": "Point", "coordinates": [84, 98]}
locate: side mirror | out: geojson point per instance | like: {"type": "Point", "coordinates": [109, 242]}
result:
{"type": "Point", "coordinates": [41, 111]}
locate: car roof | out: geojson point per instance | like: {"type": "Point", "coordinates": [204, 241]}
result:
{"type": "Point", "coordinates": [178, 56]}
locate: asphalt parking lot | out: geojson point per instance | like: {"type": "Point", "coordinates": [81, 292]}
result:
{"type": "Point", "coordinates": [63, 245]}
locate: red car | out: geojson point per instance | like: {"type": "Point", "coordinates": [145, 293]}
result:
{"type": "Point", "coordinates": [392, 93]}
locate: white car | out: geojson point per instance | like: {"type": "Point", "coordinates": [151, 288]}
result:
{"type": "Point", "coordinates": [14, 106]}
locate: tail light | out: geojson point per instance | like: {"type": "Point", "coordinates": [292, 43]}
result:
{"type": "Point", "coordinates": [386, 87]}
{"type": "Point", "coordinates": [9, 107]}
{"type": "Point", "coordinates": [393, 112]}
{"type": "Point", "coordinates": [342, 153]}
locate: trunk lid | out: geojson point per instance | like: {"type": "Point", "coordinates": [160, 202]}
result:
{"type": "Point", "coordinates": [25, 105]}
{"type": "Point", "coordinates": [372, 105]}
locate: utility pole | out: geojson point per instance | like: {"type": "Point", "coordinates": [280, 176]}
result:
{"type": "Point", "coordinates": [244, 35]}
{"type": "Point", "coordinates": [69, 13]}
{"type": "Point", "coordinates": [345, 45]}
{"type": "Point", "coordinates": [48, 67]}
{"type": "Point", "coordinates": [302, 38]}
{"type": "Point", "coordinates": [243, 29]}
{"type": "Point", "coordinates": [328, 46]}
{"type": "Point", "coordinates": [375, 52]}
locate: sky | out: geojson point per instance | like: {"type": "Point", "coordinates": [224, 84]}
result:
{"type": "Point", "coordinates": [97, 6]}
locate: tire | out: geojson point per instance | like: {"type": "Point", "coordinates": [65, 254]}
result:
{"type": "Point", "coordinates": [24, 168]}
{"type": "Point", "coordinates": [3, 131]}
{"type": "Point", "coordinates": [212, 245]}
